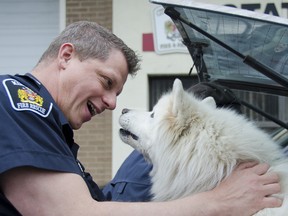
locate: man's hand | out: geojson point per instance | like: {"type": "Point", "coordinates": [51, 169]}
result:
{"type": "Point", "coordinates": [248, 190]}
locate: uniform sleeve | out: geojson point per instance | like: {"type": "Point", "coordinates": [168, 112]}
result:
{"type": "Point", "coordinates": [31, 133]}
{"type": "Point", "coordinates": [132, 181]}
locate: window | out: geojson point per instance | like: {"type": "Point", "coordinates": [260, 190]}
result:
{"type": "Point", "coordinates": [160, 84]}
{"type": "Point", "coordinates": [272, 105]}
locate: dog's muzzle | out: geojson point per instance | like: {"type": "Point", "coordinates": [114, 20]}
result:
{"type": "Point", "coordinates": [124, 133]}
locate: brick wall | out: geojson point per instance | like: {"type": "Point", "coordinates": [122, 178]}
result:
{"type": "Point", "coordinates": [99, 11]}
{"type": "Point", "coordinates": [95, 137]}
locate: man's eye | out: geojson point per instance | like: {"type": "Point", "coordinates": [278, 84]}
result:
{"type": "Point", "coordinates": [152, 115]}
{"type": "Point", "coordinates": [108, 82]}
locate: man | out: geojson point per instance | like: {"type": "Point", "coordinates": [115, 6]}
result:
{"type": "Point", "coordinates": [79, 76]}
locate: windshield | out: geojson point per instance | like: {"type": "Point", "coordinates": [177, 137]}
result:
{"type": "Point", "coordinates": [267, 42]}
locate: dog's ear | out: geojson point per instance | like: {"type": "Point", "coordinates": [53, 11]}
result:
{"type": "Point", "coordinates": [177, 85]}
{"type": "Point", "coordinates": [178, 95]}
{"type": "Point", "coordinates": [210, 101]}
{"type": "Point", "coordinates": [177, 90]}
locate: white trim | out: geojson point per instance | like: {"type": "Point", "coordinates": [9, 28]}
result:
{"type": "Point", "coordinates": [223, 9]}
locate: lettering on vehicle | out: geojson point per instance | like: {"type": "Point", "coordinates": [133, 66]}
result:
{"type": "Point", "coordinates": [23, 98]}
{"type": "Point", "coordinates": [277, 8]}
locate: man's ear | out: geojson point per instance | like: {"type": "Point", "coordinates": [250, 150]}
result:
{"type": "Point", "coordinates": [65, 53]}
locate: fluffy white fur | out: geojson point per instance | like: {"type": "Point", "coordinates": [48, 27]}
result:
{"type": "Point", "coordinates": [193, 145]}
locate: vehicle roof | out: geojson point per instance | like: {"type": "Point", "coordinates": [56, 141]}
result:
{"type": "Point", "coordinates": [221, 9]}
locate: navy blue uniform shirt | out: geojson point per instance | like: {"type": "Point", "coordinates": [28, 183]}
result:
{"type": "Point", "coordinates": [132, 182]}
{"type": "Point", "coordinates": [34, 132]}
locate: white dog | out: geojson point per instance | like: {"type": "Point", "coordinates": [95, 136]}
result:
{"type": "Point", "coordinates": [193, 145]}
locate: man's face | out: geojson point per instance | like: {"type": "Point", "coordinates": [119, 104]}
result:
{"type": "Point", "coordinates": [89, 87]}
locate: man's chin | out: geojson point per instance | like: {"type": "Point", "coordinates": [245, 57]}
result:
{"type": "Point", "coordinates": [77, 125]}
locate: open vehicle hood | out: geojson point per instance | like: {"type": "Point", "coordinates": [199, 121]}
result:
{"type": "Point", "coordinates": [232, 45]}
{"type": "Point", "coordinates": [237, 48]}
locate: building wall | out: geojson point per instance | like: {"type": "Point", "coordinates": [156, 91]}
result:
{"type": "Point", "coordinates": [95, 136]}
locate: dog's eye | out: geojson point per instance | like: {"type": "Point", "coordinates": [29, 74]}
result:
{"type": "Point", "coordinates": [152, 115]}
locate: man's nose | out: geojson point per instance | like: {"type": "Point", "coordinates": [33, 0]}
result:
{"type": "Point", "coordinates": [110, 101]}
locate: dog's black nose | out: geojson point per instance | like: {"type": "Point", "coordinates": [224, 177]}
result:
{"type": "Point", "coordinates": [125, 111]}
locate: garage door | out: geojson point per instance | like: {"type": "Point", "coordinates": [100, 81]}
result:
{"type": "Point", "coordinates": [26, 29]}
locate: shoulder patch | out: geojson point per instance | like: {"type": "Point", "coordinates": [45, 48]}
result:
{"type": "Point", "coordinates": [23, 98]}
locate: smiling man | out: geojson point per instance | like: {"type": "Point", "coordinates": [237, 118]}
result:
{"type": "Point", "coordinates": [79, 76]}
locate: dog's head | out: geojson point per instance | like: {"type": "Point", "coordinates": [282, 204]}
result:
{"type": "Point", "coordinates": [170, 118]}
